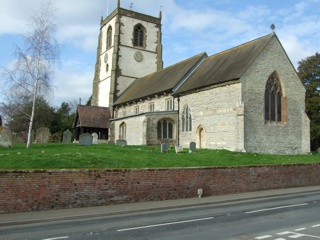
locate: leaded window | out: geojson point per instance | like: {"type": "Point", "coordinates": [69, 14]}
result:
{"type": "Point", "coordinates": [109, 37]}
{"type": "Point", "coordinates": [138, 36]}
{"type": "Point", "coordinates": [186, 119]}
{"type": "Point", "coordinates": [151, 107]}
{"type": "Point", "coordinates": [273, 100]}
{"type": "Point", "coordinates": [169, 104]}
{"type": "Point", "coordinates": [165, 128]}
{"type": "Point", "coordinates": [122, 131]}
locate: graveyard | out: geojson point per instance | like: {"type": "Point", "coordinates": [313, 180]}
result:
{"type": "Point", "coordinates": [109, 156]}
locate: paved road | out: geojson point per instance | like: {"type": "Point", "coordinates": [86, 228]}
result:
{"type": "Point", "coordinates": [294, 216]}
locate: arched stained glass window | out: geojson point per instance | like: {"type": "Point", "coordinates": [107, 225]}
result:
{"type": "Point", "coordinates": [186, 119]}
{"type": "Point", "coordinates": [165, 129]}
{"type": "Point", "coordinates": [122, 131]}
{"type": "Point", "coordinates": [109, 37]}
{"type": "Point", "coordinates": [138, 36]}
{"type": "Point", "coordinates": [273, 100]}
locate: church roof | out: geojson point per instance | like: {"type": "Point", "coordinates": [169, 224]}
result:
{"type": "Point", "coordinates": [159, 82]}
{"type": "Point", "coordinates": [92, 116]}
{"type": "Point", "coordinates": [197, 72]}
{"type": "Point", "coordinates": [225, 66]}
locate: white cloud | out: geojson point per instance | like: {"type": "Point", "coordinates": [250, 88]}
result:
{"type": "Point", "coordinates": [71, 85]}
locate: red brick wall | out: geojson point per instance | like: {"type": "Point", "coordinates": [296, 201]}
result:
{"type": "Point", "coordinates": [40, 190]}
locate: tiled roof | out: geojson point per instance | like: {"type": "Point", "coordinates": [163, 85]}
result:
{"type": "Point", "coordinates": [159, 82]}
{"type": "Point", "coordinates": [197, 72]}
{"type": "Point", "coordinates": [225, 66]}
{"type": "Point", "coordinates": [93, 116]}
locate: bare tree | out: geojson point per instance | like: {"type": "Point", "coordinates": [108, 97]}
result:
{"type": "Point", "coordinates": [35, 63]}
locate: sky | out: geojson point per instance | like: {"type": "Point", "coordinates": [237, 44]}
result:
{"type": "Point", "coordinates": [189, 27]}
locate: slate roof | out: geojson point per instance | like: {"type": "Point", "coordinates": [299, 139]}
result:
{"type": "Point", "coordinates": [225, 66]}
{"type": "Point", "coordinates": [197, 72]}
{"type": "Point", "coordinates": [159, 82]}
{"type": "Point", "coordinates": [93, 116]}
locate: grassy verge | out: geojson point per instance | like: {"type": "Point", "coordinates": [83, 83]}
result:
{"type": "Point", "coordinates": [70, 156]}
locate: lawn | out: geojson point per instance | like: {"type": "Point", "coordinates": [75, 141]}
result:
{"type": "Point", "coordinates": [73, 156]}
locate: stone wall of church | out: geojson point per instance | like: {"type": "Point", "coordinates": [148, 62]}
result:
{"type": "Point", "coordinates": [105, 64]}
{"type": "Point", "coordinates": [131, 67]}
{"type": "Point", "coordinates": [291, 137]}
{"type": "Point", "coordinates": [141, 121]}
{"type": "Point", "coordinates": [217, 118]}
{"type": "Point", "coordinates": [135, 130]}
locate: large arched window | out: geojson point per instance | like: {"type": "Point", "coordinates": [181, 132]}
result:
{"type": "Point", "coordinates": [122, 131]}
{"type": "Point", "coordinates": [165, 128]}
{"type": "Point", "coordinates": [109, 37]}
{"type": "Point", "coordinates": [138, 35]}
{"type": "Point", "coordinates": [186, 119]}
{"type": "Point", "coordinates": [273, 100]}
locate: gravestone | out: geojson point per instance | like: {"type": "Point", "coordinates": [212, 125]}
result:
{"type": "Point", "coordinates": [85, 139]}
{"type": "Point", "coordinates": [192, 147]}
{"type": "Point", "coordinates": [121, 142]}
{"type": "Point", "coordinates": [42, 135]}
{"type": "Point", "coordinates": [5, 137]}
{"type": "Point", "coordinates": [164, 148]}
{"type": "Point", "coordinates": [94, 138]}
{"type": "Point", "coordinates": [179, 149]}
{"type": "Point", "coordinates": [66, 136]}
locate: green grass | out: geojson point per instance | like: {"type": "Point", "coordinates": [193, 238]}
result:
{"type": "Point", "coordinates": [73, 156]}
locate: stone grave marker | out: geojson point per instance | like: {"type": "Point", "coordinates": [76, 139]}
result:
{"type": "Point", "coordinates": [66, 136]}
{"type": "Point", "coordinates": [42, 135]}
{"type": "Point", "coordinates": [94, 138]}
{"type": "Point", "coordinates": [85, 139]}
{"type": "Point", "coordinates": [179, 149]}
{"type": "Point", "coordinates": [192, 147]}
{"type": "Point", "coordinates": [5, 137]}
{"type": "Point", "coordinates": [121, 142]}
{"type": "Point", "coordinates": [164, 148]}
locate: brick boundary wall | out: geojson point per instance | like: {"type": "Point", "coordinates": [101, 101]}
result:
{"type": "Point", "coordinates": [31, 190]}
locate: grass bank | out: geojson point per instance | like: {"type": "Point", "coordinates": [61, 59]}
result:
{"type": "Point", "coordinates": [70, 156]}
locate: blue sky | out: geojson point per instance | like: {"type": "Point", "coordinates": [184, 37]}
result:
{"type": "Point", "coordinates": [189, 27]}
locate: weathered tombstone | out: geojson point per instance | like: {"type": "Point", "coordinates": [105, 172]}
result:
{"type": "Point", "coordinates": [179, 149]}
{"type": "Point", "coordinates": [42, 135]}
{"type": "Point", "coordinates": [164, 148]}
{"type": "Point", "coordinates": [94, 138]}
{"type": "Point", "coordinates": [121, 142]}
{"type": "Point", "coordinates": [192, 147]}
{"type": "Point", "coordinates": [5, 137]}
{"type": "Point", "coordinates": [66, 137]}
{"type": "Point", "coordinates": [85, 139]}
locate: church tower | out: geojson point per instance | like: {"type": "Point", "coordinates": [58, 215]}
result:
{"type": "Point", "coordinates": [129, 47]}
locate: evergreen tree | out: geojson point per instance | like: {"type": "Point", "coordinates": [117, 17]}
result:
{"type": "Point", "coordinates": [309, 73]}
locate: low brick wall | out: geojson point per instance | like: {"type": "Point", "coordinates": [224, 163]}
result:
{"type": "Point", "coordinates": [41, 190]}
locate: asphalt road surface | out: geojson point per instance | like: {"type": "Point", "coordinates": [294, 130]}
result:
{"type": "Point", "coordinates": [294, 216]}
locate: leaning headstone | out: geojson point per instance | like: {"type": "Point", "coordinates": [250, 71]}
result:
{"type": "Point", "coordinates": [42, 135]}
{"type": "Point", "coordinates": [164, 148]}
{"type": "Point", "coordinates": [121, 142]}
{"type": "Point", "coordinates": [85, 139]}
{"type": "Point", "coordinates": [66, 137]}
{"type": "Point", "coordinates": [5, 137]}
{"type": "Point", "coordinates": [192, 147]}
{"type": "Point", "coordinates": [94, 138]}
{"type": "Point", "coordinates": [179, 149]}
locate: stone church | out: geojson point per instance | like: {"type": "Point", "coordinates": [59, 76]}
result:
{"type": "Point", "coordinates": [248, 98]}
